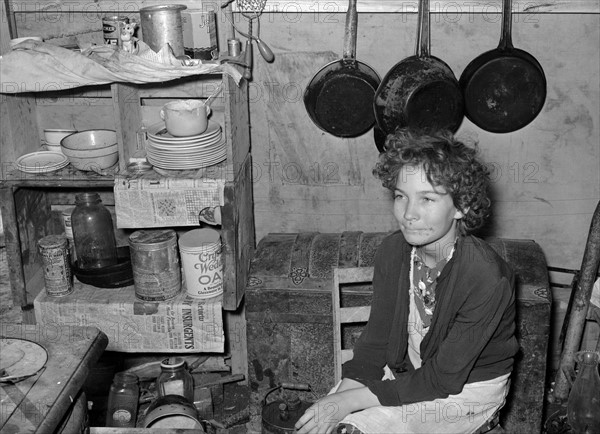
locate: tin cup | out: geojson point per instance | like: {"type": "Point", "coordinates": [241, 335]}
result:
{"type": "Point", "coordinates": [111, 28]}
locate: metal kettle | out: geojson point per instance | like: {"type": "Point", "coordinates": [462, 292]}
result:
{"type": "Point", "coordinates": [280, 416]}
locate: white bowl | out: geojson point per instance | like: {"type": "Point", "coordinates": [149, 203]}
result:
{"type": "Point", "coordinates": [53, 136]}
{"type": "Point", "coordinates": [91, 149]}
{"type": "Point", "coordinates": [88, 163]}
{"type": "Point", "coordinates": [90, 153]}
{"type": "Point", "coordinates": [90, 139]}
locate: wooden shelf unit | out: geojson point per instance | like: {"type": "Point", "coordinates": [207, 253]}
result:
{"type": "Point", "coordinates": [29, 202]}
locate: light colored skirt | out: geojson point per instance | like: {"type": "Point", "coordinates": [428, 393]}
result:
{"type": "Point", "coordinates": [464, 413]}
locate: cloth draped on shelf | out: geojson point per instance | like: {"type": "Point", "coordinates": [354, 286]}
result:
{"type": "Point", "coordinates": [34, 66]}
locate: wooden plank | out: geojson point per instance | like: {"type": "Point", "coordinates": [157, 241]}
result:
{"type": "Point", "coordinates": [18, 114]}
{"type": "Point", "coordinates": [33, 216]}
{"type": "Point", "coordinates": [199, 86]}
{"type": "Point", "coordinates": [237, 344]}
{"type": "Point", "coordinates": [13, 245]}
{"type": "Point", "coordinates": [238, 236]}
{"type": "Point", "coordinates": [354, 314]}
{"type": "Point", "coordinates": [7, 27]}
{"type": "Point", "coordinates": [237, 123]}
{"type": "Point", "coordinates": [67, 177]}
{"type": "Point", "coordinates": [312, 6]}
{"type": "Point", "coordinates": [106, 430]}
{"type": "Point", "coordinates": [128, 120]}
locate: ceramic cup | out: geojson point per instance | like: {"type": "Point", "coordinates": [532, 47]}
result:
{"type": "Point", "coordinates": [53, 136]}
{"type": "Point", "coordinates": [185, 117]}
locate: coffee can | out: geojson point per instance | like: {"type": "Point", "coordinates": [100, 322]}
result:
{"type": "Point", "coordinates": [111, 28]}
{"type": "Point", "coordinates": [56, 262]}
{"type": "Point", "coordinates": [155, 264]}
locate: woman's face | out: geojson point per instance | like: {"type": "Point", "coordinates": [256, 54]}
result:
{"type": "Point", "coordinates": [426, 214]}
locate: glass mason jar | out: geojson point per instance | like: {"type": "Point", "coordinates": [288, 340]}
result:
{"type": "Point", "coordinates": [123, 401]}
{"type": "Point", "coordinates": [93, 233]}
{"type": "Point", "coordinates": [175, 379]}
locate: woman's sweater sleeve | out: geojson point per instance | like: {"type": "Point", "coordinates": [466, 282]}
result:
{"type": "Point", "coordinates": [448, 370]}
{"type": "Point", "coordinates": [369, 352]}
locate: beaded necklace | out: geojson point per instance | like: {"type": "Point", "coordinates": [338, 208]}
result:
{"type": "Point", "coordinates": [424, 284]}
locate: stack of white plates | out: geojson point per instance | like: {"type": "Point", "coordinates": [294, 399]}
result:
{"type": "Point", "coordinates": [41, 162]}
{"type": "Point", "coordinates": [181, 153]}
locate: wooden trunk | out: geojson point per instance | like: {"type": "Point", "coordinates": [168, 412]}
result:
{"type": "Point", "coordinates": [289, 324]}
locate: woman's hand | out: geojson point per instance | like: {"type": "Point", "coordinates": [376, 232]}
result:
{"type": "Point", "coordinates": [347, 384]}
{"type": "Point", "coordinates": [323, 416]}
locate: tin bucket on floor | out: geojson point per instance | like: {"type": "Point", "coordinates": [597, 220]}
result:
{"type": "Point", "coordinates": [155, 264]}
{"type": "Point", "coordinates": [200, 251]}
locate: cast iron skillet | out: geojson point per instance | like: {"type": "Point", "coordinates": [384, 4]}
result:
{"type": "Point", "coordinates": [504, 89]}
{"type": "Point", "coordinates": [339, 98]}
{"type": "Point", "coordinates": [421, 91]}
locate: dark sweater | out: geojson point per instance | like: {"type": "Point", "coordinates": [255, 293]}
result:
{"type": "Point", "coordinates": [471, 337]}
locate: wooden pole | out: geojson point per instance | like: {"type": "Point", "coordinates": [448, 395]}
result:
{"type": "Point", "coordinates": [579, 310]}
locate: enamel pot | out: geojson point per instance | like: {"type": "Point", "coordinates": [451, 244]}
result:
{"type": "Point", "coordinates": [339, 97]}
{"type": "Point", "coordinates": [421, 91]}
{"type": "Point", "coordinates": [504, 89]}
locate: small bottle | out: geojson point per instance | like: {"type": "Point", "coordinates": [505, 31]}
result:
{"type": "Point", "coordinates": [123, 401]}
{"type": "Point", "coordinates": [93, 233]}
{"type": "Point", "coordinates": [175, 379]}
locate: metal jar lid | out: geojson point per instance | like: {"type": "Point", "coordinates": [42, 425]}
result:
{"type": "Point", "coordinates": [52, 242]}
{"type": "Point", "coordinates": [152, 239]}
{"type": "Point", "coordinates": [136, 167]}
{"type": "Point", "coordinates": [172, 362]}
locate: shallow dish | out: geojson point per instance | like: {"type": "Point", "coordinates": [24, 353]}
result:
{"type": "Point", "coordinates": [41, 162]}
{"type": "Point", "coordinates": [90, 139]}
{"type": "Point", "coordinates": [115, 276]}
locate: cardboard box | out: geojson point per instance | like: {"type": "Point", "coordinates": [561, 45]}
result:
{"type": "Point", "coordinates": [200, 34]}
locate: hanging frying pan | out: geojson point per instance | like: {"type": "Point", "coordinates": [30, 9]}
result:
{"type": "Point", "coordinates": [379, 138]}
{"type": "Point", "coordinates": [339, 98]}
{"type": "Point", "coordinates": [421, 91]}
{"type": "Point", "coordinates": [505, 88]}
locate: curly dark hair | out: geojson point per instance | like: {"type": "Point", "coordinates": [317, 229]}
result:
{"type": "Point", "coordinates": [448, 163]}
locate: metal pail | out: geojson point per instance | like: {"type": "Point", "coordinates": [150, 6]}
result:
{"type": "Point", "coordinates": [162, 25]}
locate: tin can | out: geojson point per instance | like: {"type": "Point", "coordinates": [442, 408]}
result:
{"type": "Point", "coordinates": [155, 264]}
{"type": "Point", "coordinates": [111, 28]}
{"type": "Point", "coordinates": [234, 47]}
{"type": "Point", "coordinates": [55, 255]}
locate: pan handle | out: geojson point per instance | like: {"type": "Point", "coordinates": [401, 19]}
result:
{"type": "Point", "coordinates": [505, 36]}
{"type": "Point", "coordinates": [350, 32]}
{"type": "Point", "coordinates": [423, 29]}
